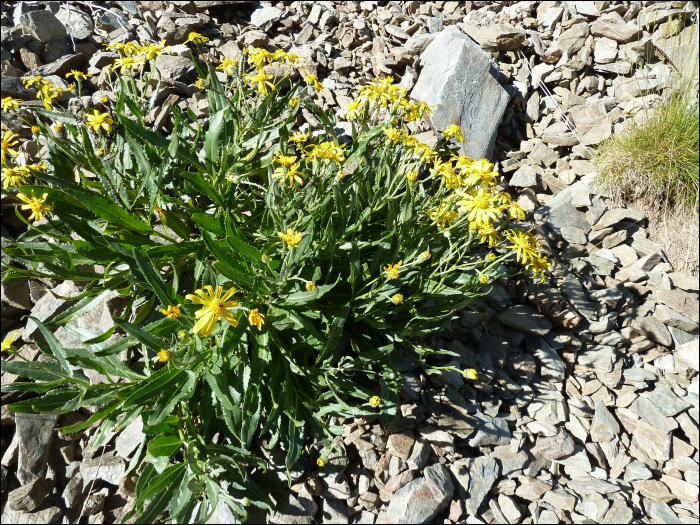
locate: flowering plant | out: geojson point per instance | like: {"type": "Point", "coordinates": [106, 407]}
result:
{"type": "Point", "coordinates": [274, 277]}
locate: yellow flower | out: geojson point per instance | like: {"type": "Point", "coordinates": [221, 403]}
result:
{"type": "Point", "coordinates": [78, 75]}
{"type": "Point", "coordinates": [257, 56]}
{"type": "Point", "coordinates": [293, 102]}
{"type": "Point", "coordinates": [58, 127]}
{"type": "Point", "coordinates": [215, 306]}
{"type": "Point", "coordinates": [326, 151]}
{"type": "Point", "coordinates": [12, 176]}
{"type": "Point", "coordinates": [424, 256]}
{"type": "Point", "coordinates": [472, 374]}
{"type": "Point", "coordinates": [262, 80]}
{"type": "Point", "coordinates": [36, 130]}
{"type": "Point", "coordinates": [310, 286]}
{"type": "Point", "coordinates": [488, 232]}
{"type": "Point", "coordinates": [449, 178]}
{"type": "Point", "coordinates": [292, 174]}
{"type": "Point", "coordinates": [196, 38]}
{"type": "Point", "coordinates": [491, 257]}
{"type": "Point", "coordinates": [172, 311]}
{"type": "Point", "coordinates": [181, 334]}
{"type": "Point", "coordinates": [340, 175]}
{"type": "Point", "coordinates": [100, 120]}
{"type": "Point", "coordinates": [481, 206]}
{"type": "Point", "coordinates": [515, 211]}
{"type": "Point", "coordinates": [483, 279]}
{"type": "Point", "coordinates": [292, 238]}
{"type": "Point", "coordinates": [375, 401]}
{"type": "Point", "coordinates": [199, 83]}
{"type": "Point", "coordinates": [152, 51]}
{"type": "Point", "coordinates": [442, 215]}
{"type": "Point", "coordinates": [412, 176]}
{"type": "Point", "coordinates": [286, 161]}
{"type": "Point", "coordinates": [163, 356]}
{"type": "Point", "coordinates": [125, 64]}
{"type": "Point", "coordinates": [9, 103]}
{"type": "Point", "coordinates": [7, 345]}
{"type": "Point", "coordinates": [538, 265]}
{"type": "Point", "coordinates": [9, 139]}
{"type": "Point", "coordinates": [35, 204]}
{"type": "Point", "coordinates": [524, 245]}
{"type": "Point", "coordinates": [453, 131]}
{"type": "Point", "coordinates": [227, 65]}
{"type": "Point", "coordinates": [392, 270]}
{"type": "Point", "coordinates": [321, 462]}
{"type": "Point", "coordinates": [354, 110]}
{"type": "Point", "coordinates": [256, 319]}
{"type": "Point", "coordinates": [299, 138]}
{"type": "Point", "coordinates": [397, 298]}
{"type": "Point", "coordinates": [393, 134]}
{"type": "Point", "coordinates": [30, 81]}
{"type": "Point", "coordinates": [125, 49]}
{"type": "Point", "coordinates": [101, 152]}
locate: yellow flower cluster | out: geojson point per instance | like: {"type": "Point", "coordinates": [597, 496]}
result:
{"type": "Point", "coordinates": [326, 151]}
{"type": "Point", "coordinates": [16, 175]}
{"type": "Point", "coordinates": [147, 52]}
{"type": "Point", "coordinates": [258, 58]}
{"type": "Point", "coordinates": [382, 92]}
{"type": "Point", "coordinates": [289, 170]}
{"type": "Point", "coordinates": [48, 91]}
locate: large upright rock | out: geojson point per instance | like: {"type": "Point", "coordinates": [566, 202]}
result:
{"type": "Point", "coordinates": [458, 79]}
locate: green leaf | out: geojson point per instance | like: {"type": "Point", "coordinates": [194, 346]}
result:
{"type": "Point", "coordinates": [57, 349]}
{"type": "Point", "coordinates": [97, 416]}
{"type": "Point", "coordinates": [164, 446]}
{"type": "Point", "coordinates": [210, 223]}
{"type": "Point", "coordinates": [198, 183]}
{"type": "Point", "coordinates": [307, 297]}
{"type": "Point", "coordinates": [58, 116]}
{"type": "Point", "coordinates": [65, 400]}
{"type": "Point", "coordinates": [146, 171]}
{"type": "Point", "coordinates": [240, 278]}
{"type": "Point", "coordinates": [83, 306]}
{"type": "Point", "coordinates": [143, 336]}
{"type": "Point", "coordinates": [111, 212]}
{"type": "Point", "coordinates": [235, 240]}
{"type": "Point", "coordinates": [334, 333]}
{"type": "Point", "coordinates": [167, 400]}
{"type": "Point", "coordinates": [38, 371]}
{"type": "Point", "coordinates": [156, 384]}
{"type": "Point", "coordinates": [164, 292]}
{"type": "Point", "coordinates": [212, 146]}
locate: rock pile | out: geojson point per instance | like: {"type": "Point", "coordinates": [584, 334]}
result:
{"type": "Point", "coordinates": [587, 405]}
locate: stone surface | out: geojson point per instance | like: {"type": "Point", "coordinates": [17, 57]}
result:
{"type": "Point", "coordinates": [455, 74]}
{"type": "Point", "coordinates": [422, 499]}
{"type": "Point", "coordinates": [525, 319]}
{"type": "Point", "coordinates": [605, 427]}
{"type": "Point", "coordinates": [43, 26]}
{"type": "Point", "coordinates": [109, 470]}
{"type": "Point", "coordinates": [482, 473]}
{"type": "Point", "coordinates": [555, 447]}
{"type": "Point", "coordinates": [490, 431]}
{"type": "Point", "coordinates": [35, 438]}
{"type": "Point", "coordinates": [30, 496]}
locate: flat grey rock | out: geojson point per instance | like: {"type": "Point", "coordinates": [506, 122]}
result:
{"type": "Point", "coordinates": [475, 482]}
{"type": "Point", "coordinates": [653, 329]}
{"type": "Point", "coordinates": [605, 427]}
{"type": "Point", "coordinates": [490, 431]}
{"type": "Point", "coordinates": [559, 213]}
{"type": "Point", "coordinates": [35, 437]}
{"type": "Point", "coordinates": [589, 485]}
{"type": "Point", "coordinates": [43, 26]}
{"type": "Point", "coordinates": [415, 502]}
{"type": "Point", "coordinates": [525, 319]}
{"type": "Point", "coordinates": [555, 447]}
{"type": "Point", "coordinates": [130, 438]}
{"type": "Point", "coordinates": [29, 497]}
{"type": "Point", "coordinates": [109, 470]}
{"type": "Point", "coordinates": [660, 512]}
{"type": "Point", "coordinates": [458, 78]}
{"type": "Point", "coordinates": [524, 177]}
{"type": "Point", "coordinates": [573, 290]}
{"type": "Point", "coordinates": [690, 353]}
{"type": "Point", "coordinates": [551, 366]}
{"type": "Point", "coordinates": [666, 401]}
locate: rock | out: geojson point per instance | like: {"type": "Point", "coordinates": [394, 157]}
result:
{"type": "Point", "coordinates": [510, 509]}
{"type": "Point", "coordinates": [419, 454]}
{"type": "Point", "coordinates": [264, 16]}
{"type": "Point", "coordinates": [613, 217]}
{"type": "Point", "coordinates": [490, 431]}
{"type": "Point", "coordinates": [690, 353]}
{"type": "Point", "coordinates": [422, 499]}
{"type": "Point", "coordinates": [43, 26]}
{"type": "Point", "coordinates": [30, 496]}
{"type": "Point", "coordinates": [552, 368]}
{"type": "Point", "coordinates": [334, 511]}
{"type": "Point", "coordinates": [560, 499]}
{"type": "Point", "coordinates": [130, 438]}
{"type": "Point", "coordinates": [38, 517]}
{"type": "Point", "coordinates": [684, 491]}
{"type": "Point", "coordinates": [588, 485]}
{"type": "Point", "coordinates": [74, 491]}
{"type": "Point", "coordinates": [618, 513]}
{"type": "Point", "coordinates": [573, 39]}
{"type": "Point", "coordinates": [682, 302]}
{"type": "Point", "coordinates": [509, 461]}
{"type": "Point", "coordinates": [35, 437]}
{"type": "Point", "coordinates": [531, 489]}
{"type": "Point", "coordinates": [605, 50]}
{"type": "Point", "coordinates": [458, 423]}
{"type": "Point", "coordinates": [559, 213]}
{"type": "Point", "coordinates": [597, 356]}
{"type": "Point", "coordinates": [548, 407]}
{"type": "Point", "coordinates": [647, 262]}
{"type": "Point", "coordinates": [290, 511]}
{"type": "Point", "coordinates": [418, 43]}
{"type": "Point", "coordinates": [666, 401]}
{"type": "Point", "coordinates": [605, 427]}
{"type": "Point", "coordinates": [77, 24]}
{"type": "Point", "coordinates": [573, 290]}
{"type": "Point", "coordinates": [495, 37]}
{"type": "Point", "coordinates": [400, 444]}
{"type": "Point", "coordinates": [109, 470]}
{"type": "Point", "coordinates": [672, 318]}
{"type": "Point", "coordinates": [456, 70]}
{"type": "Point", "coordinates": [62, 66]}
{"type": "Point", "coordinates": [524, 177]}
{"type": "Point", "coordinates": [176, 68]}
{"type": "Point", "coordinates": [481, 475]}
{"type": "Point", "coordinates": [622, 33]}
{"type": "Point", "coordinates": [653, 329]}
{"type": "Point", "coordinates": [574, 235]}
{"type": "Point", "coordinates": [636, 471]}
{"type": "Point", "coordinates": [543, 154]}
{"type": "Point", "coordinates": [452, 378]}
{"type": "Point", "coordinates": [660, 512]}
{"type": "Point", "coordinates": [593, 506]}
{"type": "Point", "coordinates": [47, 308]}
{"type": "Point", "coordinates": [555, 447]}
{"type": "Point", "coordinates": [15, 298]}
{"type": "Point", "coordinates": [525, 319]}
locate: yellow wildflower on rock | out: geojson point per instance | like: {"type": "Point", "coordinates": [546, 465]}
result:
{"type": "Point", "coordinates": [353, 109]}
{"type": "Point", "coordinates": [78, 75]}
{"type": "Point", "coordinates": [257, 57]}
{"type": "Point", "coordinates": [9, 140]}
{"type": "Point", "coordinates": [524, 245]}
{"type": "Point", "coordinates": [481, 206]}
{"type": "Point", "coordinates": [453, 131]}
{"type": "Point", "coordinates": [172, 311]}
{"type": "Point", "coordinates": [215, 307]}
{"type": "Point", "coordinates": [199, 83]}
{"type": "Point", "coordinates": [255, 318]}
{"type": "Point", "coordinates": [9, 103]}
{"type": "Point", "coordinates": [30, 81]}
{"type": "Point", "coordinates": [7, 345]}
{"type": "Point", "coordinates": [195, 38]}
{"type": "Point", "coordinates": [35, 204]}
{"type": "Point", "coordinates": [12, 177]}
{"type": "Point", "coordinates": [292, 238]}
{"type": "Point", "coordinates": [152, 51]}
{"type": "Point", "coordinates": [375, 401]}
{"type": "Point", "coordinates": [228, 65]}
{"type": "Point", "coordinates": [537, 266]}
{"type": "Point", "coordinates": [397, 298]}
{"type": "Point", "coordinates": [262, 80]}
{"type": "Point", "coordinates": [392, 270]}
{"type": "Point", "coordinates": [99, 120]}
{"type": "Point", "coordinates": [471, 374]}
{"type": "Point", "coordinates": [125, 64]}
{"type": "Point", "coordinates": [58, 127]}
{"type": "Point", "coordinates": [163, 356]}
{"type": "Point", "coordinates": [104, 99]}
{"type": "Point", "coordinates": [393, 134]}
{"type": "Point", "coordinates": [310, 286]}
